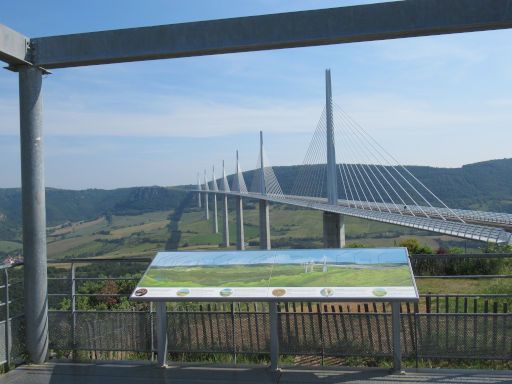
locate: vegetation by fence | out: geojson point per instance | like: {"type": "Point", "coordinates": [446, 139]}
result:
{"type": "Point", "coordinates": [91, 317]}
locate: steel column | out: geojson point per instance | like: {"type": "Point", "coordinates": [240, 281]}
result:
{"type": "Point", "coordinates": [274, 336]}
{"type": "Point", "coordinates": [240, 238]}
{"type": "Point", "coordinates": [226, 222]}
{"type": "Point", "coordinates": [161, 332]}
{"type": "Point", "coordinates": [264, 225]}
{"type": "Point", "coordinates": [397, 349]}
{"type": "Point", "coordinates": [34, 213]}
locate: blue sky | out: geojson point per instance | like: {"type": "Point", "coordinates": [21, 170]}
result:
{"type": "Point", "coordinates": [358, 256]}
{"type": "Point", "coordinates": [441, 101]}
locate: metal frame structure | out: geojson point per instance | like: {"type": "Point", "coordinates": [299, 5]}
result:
{"type": "Point", "coordinates": [31, 57]}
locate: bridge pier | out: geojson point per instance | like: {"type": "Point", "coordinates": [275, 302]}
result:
{"type": "Point", "coordinates": [334, 230]}
{"type": "Point", "coordinates": [240, 237]}
{"type": "Point", "coordinates": [206, 210]}
{"type": "Point", "coordinates": [225, 215]}
{"type": "Point", "coordinates": [215, 220]}
{"type": "Point", "coordinates": [264, 225]}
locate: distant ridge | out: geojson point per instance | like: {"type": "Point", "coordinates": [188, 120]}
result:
{"type": "Point", "coordinates": [484, 186]}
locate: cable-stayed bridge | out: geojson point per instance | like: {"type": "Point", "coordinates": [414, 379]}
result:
{"type": "Point", "coordinates": [346, 172]}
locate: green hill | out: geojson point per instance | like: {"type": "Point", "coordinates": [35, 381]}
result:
{"type": "Point", "coordinates": [483, 186]}
{"type": "Point", "coordinates": [70, 206]}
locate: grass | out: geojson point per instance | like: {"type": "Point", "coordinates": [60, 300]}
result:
{"type": "Point", "coordinates": [9, 246]}
{"type": "Point", "coordinates": [464, 286]}
{"type": "Point", "coordinates": [282, 275]}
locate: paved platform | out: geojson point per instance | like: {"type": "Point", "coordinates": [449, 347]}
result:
{"type": "Point", "coordinates": [143, 372]}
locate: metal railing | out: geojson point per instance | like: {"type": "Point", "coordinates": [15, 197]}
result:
{"type": "Point", "coordinates": [90, 317]}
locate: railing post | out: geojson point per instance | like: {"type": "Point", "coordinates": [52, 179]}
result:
{"type": "Point", "coordinates": [161, 332]}
{"type": "Point", "coordinates": [152, 330]}
{"type": "Point", "coordinates": [233, 331]}
{"type": "Point", "coordinates": [73, 308]}
{"type": "Point", "coordinates": [274, 337]}
{"type": "Point", "coordinates": [7, 319]}
{"type": "Point", "coordinates": [395, 326]}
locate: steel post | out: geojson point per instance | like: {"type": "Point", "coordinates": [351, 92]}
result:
{"type": "Point", "coordinates": [8, 344]}
{"type": "Point", "coordinates": [274, 336]}
{"type": "Point", "coordinates": [397, 349]}
{"type": "Point", "coordinates": [73, 308]}
{"type": "Point", "coordinates": [264, 225]}
{"type": "Point", "coordinates": [225, 217]}
{"type": "Point", "coordinates": [240, 238]}
{"type": "Point", "coordinates": [34, 213]}
{"type": "Point", "coordinates": [161, 332]}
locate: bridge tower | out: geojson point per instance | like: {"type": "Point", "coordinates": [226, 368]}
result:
{"type": "Point", "coordinates": [215, 220]}
{"type": "Point", "coordinates": [239, 208]}
{"type": "Point", "coordinates": [206, 188]}
{"type": "Point", "coordinates": [263, 204]}
{"type": "Point", "coordinates": [199, 189]}
{"type": "Point", "coordinates": [333, 223]}
{"type": "Point", "coordinates": [225, 216]}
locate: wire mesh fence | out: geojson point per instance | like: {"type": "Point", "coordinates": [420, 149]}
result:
{"type": "Point", "coordinates": [97, 320]}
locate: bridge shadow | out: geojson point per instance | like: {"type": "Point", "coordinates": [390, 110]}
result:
{"type": "Point", "coordinates": [174, 240]}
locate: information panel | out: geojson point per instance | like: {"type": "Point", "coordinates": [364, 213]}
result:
{"type": "Point", "coordinates": [312, 274]}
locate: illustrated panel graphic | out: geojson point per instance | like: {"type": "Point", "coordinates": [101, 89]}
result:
{"type": "Point", "coordinates": [286, 274]}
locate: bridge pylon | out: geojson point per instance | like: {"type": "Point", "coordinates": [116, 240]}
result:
{"type": "Point", "coordinates": [239, 208]}
{"type": "Point", "coordinates": [199, 189]}
{"type": "Point", "coordinates": [215, 221]}
{"type": "Point", "coordinates": [263, 204]}
{"type": "Point", "coordinates": [225, 216]}
{"type": "Point", "coordinates": [206, 188]}
{"type": "Point", "coordinates": [333, 223]}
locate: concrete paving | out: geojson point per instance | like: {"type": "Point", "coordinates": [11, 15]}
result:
{"type": "Point", "coordinates": [144, 372]}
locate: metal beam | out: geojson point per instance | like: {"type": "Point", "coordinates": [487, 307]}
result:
{"type": "Point", "coordinates": [13, 46]}
{"type": "Point", "coordinates": [284, 30]}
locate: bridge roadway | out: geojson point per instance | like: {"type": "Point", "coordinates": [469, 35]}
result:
{"type": "Point", "coordinates": [403, 217]}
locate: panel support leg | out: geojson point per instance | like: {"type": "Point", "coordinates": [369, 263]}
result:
{"type": "Point", "coordinates": [240, 238]}
{"type": "Point", "coordinates": [274, 337]}
{"type": "Point", "coordinates": [161, 332]}
{"type": "Point", "coordinates": [226, 222]}
{"type": "Point", "coordinates": [397, 350]}
{"type": "Point", "coordinates": [333, 230]}
{"type": "Point", "coordinates": [264, 225]}
{"type": "Point", "coordinates": [34, 213]}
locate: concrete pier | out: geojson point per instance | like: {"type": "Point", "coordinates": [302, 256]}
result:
{"type": "Point", "coordinates": [333, 230]}
{"type": "Point", "coordinates": [240, 237]}
{"type": "Point", "coordinates": [225, 217]}
{"type": "Point", "coordinates": [264, 225]}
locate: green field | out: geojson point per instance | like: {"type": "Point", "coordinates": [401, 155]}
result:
{"type": "Point", "coordinates": [282, 275]}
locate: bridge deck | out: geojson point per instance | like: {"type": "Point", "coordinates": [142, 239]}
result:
{"type": "Point", "coordinates": [143, 372]}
